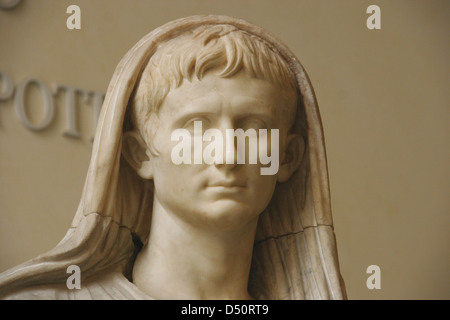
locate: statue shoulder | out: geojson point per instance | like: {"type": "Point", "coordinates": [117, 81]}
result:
{"type": "Point", "coordinates": [39, 292]}
{"type": "Point", "coordinates": [110, 286]}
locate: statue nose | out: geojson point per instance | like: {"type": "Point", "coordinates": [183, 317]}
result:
{"type": "Point", "coordinates": [229, 159]}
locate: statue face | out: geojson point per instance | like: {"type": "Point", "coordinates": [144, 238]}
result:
{"type": "Point", "coordinates": [218, 196]}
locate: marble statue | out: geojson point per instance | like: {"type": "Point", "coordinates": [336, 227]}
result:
{"type": "Point", "coordinates": [153, 225]}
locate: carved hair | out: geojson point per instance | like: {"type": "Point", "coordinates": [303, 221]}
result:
{"type": "Point", "coordinates": [197, 51]}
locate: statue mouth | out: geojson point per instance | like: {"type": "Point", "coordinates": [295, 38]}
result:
{"type": "Point", "coordinates": [230, 187]}
{"type": "Point", "coordinates": [227, 189]}
{"type": "Point", "coordinates": [227, 184]}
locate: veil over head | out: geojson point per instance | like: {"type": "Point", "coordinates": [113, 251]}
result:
{"type": "Point", "coordinates": [294, 255]}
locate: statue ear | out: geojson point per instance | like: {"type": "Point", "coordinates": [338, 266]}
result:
{"type": "Point", "coordinates": [136, 153]}
{"type": "Point", "coordinates": [291, 157]}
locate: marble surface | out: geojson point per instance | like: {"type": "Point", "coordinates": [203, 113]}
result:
{"type": "Point", "coordinates": [148, 227]}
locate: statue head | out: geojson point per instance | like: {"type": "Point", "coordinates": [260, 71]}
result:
{"type": "Point", "coordinates": [253, 81]}
{"type": "Point", "coordinates": [221, 78]}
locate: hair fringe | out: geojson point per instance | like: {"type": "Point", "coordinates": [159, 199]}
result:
{"type": "Point", "coordinates": [194, 53]}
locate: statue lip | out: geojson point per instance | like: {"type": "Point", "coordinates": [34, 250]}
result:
{"type": "Point", "coordinates": [228, 184]}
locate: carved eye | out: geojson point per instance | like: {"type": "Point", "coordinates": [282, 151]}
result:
{"type": "Point", "coordinates": [200, 122]}
{"type": "Point", "coordinates": [253, 123]}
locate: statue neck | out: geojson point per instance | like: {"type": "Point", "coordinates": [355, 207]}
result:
{"type": "Point", "coordinates": [186, 261]}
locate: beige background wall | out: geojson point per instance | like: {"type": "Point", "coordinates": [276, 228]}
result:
{"type": "Point", "coordinates": [383, 96]}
